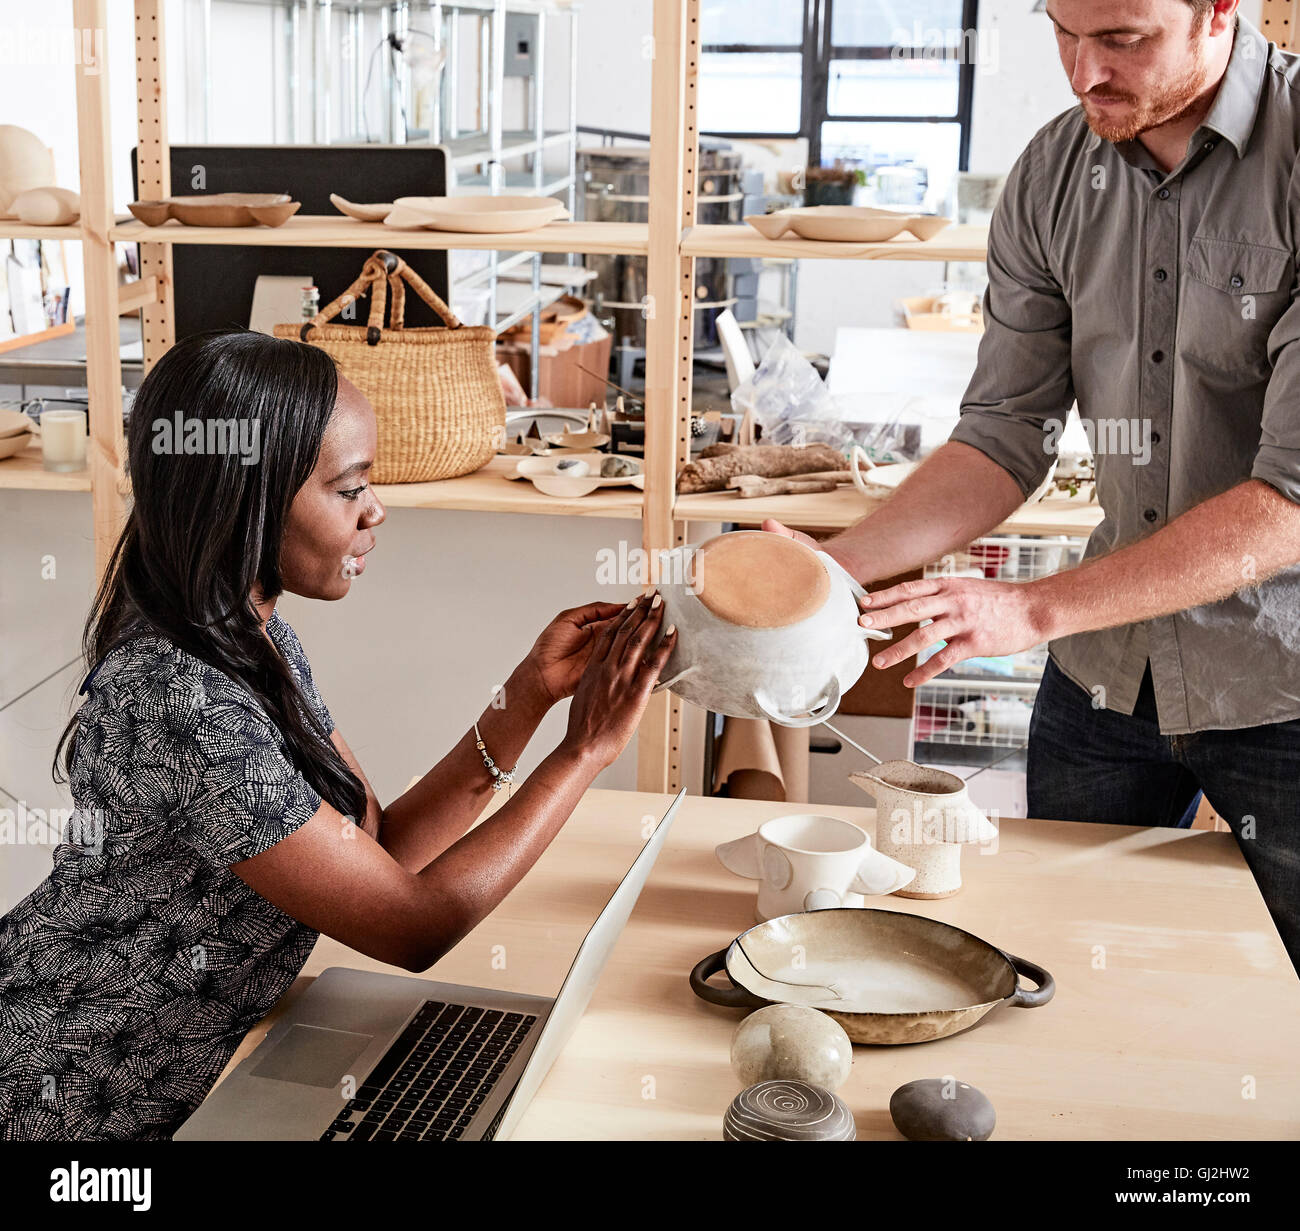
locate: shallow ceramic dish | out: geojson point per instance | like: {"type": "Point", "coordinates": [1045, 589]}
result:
{"type": "Point", "coordinates": [880, 482]}
{"type": "Point", "coordinates": [902, 978]}
{"type": "Point", "coordinates": [858, 224]}
{"type": "Point", "coordinates": [477, 215]}
{"type": "Point", "coordinates": [12, 445]}
{"type": "Point", "coordinates": [219, 209]}
{"type": "Point", "coordinates": [14, 423]}
{"type": "Point", "coordinates": [541, 472]}
{"type": "Point", "coordinates": [376, 212]}
{"type": "Point", "coordinates": [577, 440]}
{"type": "Point", "coordinates": [877, 482]}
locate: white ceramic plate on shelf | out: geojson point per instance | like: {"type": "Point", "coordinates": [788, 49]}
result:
{"type": "Point", "coordinates": [14, 423]}
{"type": "Point", "coordinates": [477, 215]}
{"type": "Point", "coordinates": [15, 444]}
{"type": "Point", "coordinates": [857, 224]}
{"type": "Point", "coordinates": [541, 472]}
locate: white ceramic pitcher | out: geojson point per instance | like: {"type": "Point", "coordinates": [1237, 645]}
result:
{"type": "Point", "coordinates": [793, 674]}
{"type": "Point", "coordinates": [923, 818]}
{"type": "Point", "coordinates": [809, 862]}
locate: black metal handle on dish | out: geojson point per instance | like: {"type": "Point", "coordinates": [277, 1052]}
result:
{"type": "Point", "coordinates": [732, 997]}
{"type": "Point", "coordinates": [1023, 997]}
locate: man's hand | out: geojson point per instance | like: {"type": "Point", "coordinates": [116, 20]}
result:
{"type": "Point", "coordinates": [775, 527]}
{"type": "Point", "coordinates": [975, 618]}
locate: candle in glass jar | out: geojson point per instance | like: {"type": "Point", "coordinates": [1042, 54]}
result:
{"type": "Point", "coordinates": [63, 439]}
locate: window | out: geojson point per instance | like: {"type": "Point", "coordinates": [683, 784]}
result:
{"type": "Point", "coordinates": [881, 85]}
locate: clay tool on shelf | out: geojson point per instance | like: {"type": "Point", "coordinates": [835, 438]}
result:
{"type": "Point", "coordinates": [751, 486]}
{"type": "Point", "coordinates": [617, 388]}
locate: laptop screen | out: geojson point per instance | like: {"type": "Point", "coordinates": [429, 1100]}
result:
{"type": "Point", "coordinates": [579, 984]}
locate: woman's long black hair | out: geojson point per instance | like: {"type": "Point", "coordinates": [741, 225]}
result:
{"type": "Point", "coordinates": [204, 527]}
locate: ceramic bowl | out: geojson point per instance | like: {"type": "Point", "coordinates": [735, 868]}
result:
{"type": "Point", "coordinates": [14, 423]}
{"type": "Point", "coordinates": [577, 440]}
{"type": "Point", "coordinates": [10, 446]}
{"type": "Point", "coordinates": [768, 628]}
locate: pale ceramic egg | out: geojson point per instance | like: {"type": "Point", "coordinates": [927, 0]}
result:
{"type": "Point", "coordinates": [791, 1042]}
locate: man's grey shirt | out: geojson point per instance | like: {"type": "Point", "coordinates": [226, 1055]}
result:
{"type": "Point", "coordinates": [1170, 300]}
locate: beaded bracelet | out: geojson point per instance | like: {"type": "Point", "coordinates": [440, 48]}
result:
{"type": "Point", "coordinates": [500, 777]}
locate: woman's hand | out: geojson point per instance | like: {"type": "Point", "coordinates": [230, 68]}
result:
{"type": "Point", "coordinates": [621, 672]}
{"type": "Point", "coordinates": [975, 618]}
{"type": "Point", "coordinates": [559, 656]}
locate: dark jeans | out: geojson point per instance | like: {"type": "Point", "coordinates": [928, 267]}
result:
{"type": "Point", "coordinates": [1090, 764]}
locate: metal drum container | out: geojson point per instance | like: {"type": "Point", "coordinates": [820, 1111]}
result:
{"type": "Point", "coordinates": [616, 183]}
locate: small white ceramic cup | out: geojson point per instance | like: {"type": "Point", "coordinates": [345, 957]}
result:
{"type": "Point", "coordinates": [809, 862]}
{"type": "Point", "coordinates": [63, 440]}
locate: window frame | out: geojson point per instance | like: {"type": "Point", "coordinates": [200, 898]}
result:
{"type": "Point", "coordinates": [817, 52]}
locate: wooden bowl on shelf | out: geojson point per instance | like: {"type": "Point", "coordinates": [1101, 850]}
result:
{"type": "Point", "coordinates": [219, 209]}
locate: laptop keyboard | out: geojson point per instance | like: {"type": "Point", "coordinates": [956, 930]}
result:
{"type": "Point", "coordinates": [435, 1077]}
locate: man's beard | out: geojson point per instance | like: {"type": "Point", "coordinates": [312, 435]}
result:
{"type": "Point", "coordinates": [1168, 104]}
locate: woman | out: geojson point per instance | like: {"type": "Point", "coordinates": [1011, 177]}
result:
{"type": "Point", "coordinates": [222, 821]}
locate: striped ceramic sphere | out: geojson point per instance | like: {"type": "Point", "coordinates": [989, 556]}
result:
{"type": "Point", "coordinates": [787, 1111]}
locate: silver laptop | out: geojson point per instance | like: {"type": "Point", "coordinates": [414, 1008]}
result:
{"type": "Point", "coordinates": [441, 1062]}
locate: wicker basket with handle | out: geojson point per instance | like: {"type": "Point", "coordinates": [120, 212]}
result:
{"type": "Point", "coordinates": [436, 393]}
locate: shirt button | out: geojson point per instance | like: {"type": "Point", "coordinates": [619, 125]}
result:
{"type": "Point", "coordinates": [1163, 194]}
{"type": "Point", "coordinates": [1161, 275]}
{"type": "Point", "coordinates": [1155, 438]}
{"type": "Point", "coordinates": [1151, 515]}
{"type": "Point", "coordinates": [1209, 145]}
{"type": "Point", "coordinates": [1236, 282]}
{"type": "Point", "coordinates": [1158, 356]}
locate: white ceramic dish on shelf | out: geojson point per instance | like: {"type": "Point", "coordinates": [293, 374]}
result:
{"type": "Point", "coordinates": [856, 224]}
{"type": "Point", "coordinates": [478, 215]}
{"type": "Point", "coordinates": [541, 472]}
{"type": "Point", "coordinates": [16, 432]}
{"type": "Point", "coordinates": [878, 482]}
{"type": "Point", "coordinates": [11, 446]}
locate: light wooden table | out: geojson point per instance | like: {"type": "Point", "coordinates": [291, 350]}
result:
{"type": "Point", "coordinates": [1173, 1017]}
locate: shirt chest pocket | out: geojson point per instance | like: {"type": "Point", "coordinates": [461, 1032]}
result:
{"type": "Point", "coordinates": [1232, 296]}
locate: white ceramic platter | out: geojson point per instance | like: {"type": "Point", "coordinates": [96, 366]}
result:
{"type": "Point", "coordinates": [845, 224]}
{"type": "Point", "coordinates": [11, 445]}
{"type": "Point", "coordinates": [541, 472]}
{"type": "Point", "coordinates": [478, 215]}
{"type": "Point", "coordinates": [14, 423]}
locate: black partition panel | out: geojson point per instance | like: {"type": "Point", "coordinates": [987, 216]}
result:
{"type": "Point", "coordinates": [214, 283]}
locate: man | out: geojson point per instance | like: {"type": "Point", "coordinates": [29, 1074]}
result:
{"type": "Point", "coordinates": [1142, 260]}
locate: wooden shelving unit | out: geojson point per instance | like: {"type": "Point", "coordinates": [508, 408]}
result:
{"type": "Point", "coordinates": [846, 507]}
{"type": "Point", "coordinates": [486, 491]}
{"type": "Point", "coordinates": [964, 243]}
{"type": "Point", "coordinates": [10, 228]}
{"type": "Point", "coordinates": [670, 240]}
{"type": "Point", "coordinates": [25, 470]}
{"type": "Point", "coordinates": [316, 231]}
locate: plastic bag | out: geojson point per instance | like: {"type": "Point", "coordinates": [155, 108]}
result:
{"type": "Point", "coordinates": [790, 401]}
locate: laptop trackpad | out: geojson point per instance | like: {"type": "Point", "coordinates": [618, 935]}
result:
{"type": "Point", "coordinates": [313, 1056]}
